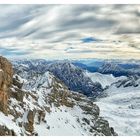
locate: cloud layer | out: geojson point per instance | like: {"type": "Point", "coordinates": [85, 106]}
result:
{"type": "Point", "coordinates": [58, 31]}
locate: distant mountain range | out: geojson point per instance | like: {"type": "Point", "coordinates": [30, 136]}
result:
{"type": "Point", "coordinates": [115, 67]}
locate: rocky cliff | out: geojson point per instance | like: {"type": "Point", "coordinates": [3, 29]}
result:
{"type": "Point", "coordinates": [6, 74]}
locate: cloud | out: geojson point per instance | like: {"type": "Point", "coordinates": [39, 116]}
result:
{"type": "Point", "coordinates": [49, 31]}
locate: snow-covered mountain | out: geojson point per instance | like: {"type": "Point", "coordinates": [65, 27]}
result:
{"type": "Point", "coordinates": [71, 75]}
{"type": "Point", "coordinates": [35, 65]}
{"type": "Point", "coordinates": [103, 79]}
{"type": "Point", "coordinates": [109, 67]}
{"type": "Point", "coordinates": [75, 78]}
{"type": "Point", "coordinates": [41, 104]}
{"type": "Point", "coordinates": [114, 66]}
{"type": "Point", "coordinates": [121, 105]}
{"type": "Point", "coordinates": [51, 109]}
{"type": "Point", "coordinates": [119, 102]}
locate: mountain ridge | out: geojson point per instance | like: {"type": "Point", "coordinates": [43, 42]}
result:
{"type": "Point", "coordinates": [43, 110]}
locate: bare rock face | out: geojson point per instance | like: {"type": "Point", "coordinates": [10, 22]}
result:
{"type": "Point", "coordinates": [17, 93]}
{"type": "Point", "coordinates": [6, 74]}
{"type": "Point", "coordinates": [102, 125]}
{"type": "Point", "coordinates": [29, 125]}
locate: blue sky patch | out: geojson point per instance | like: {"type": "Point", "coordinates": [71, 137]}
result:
{"type": "Point", "coordinates": [89, 40]}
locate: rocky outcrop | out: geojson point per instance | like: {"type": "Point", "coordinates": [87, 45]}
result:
{"type": "Point", "coordinates": [30, 117]}
{"type": "Point", "coordinates": [17, 82]}
{"type": "Point", "coordinates": [16, 89]}
{"type": "Point", "coordinates": [131, 81]}
{"type": "Point", "coordinates": [4, 131]}
{"type": "Point", "coordinates": [102, 126]}
{"type": "Point", "coordinates": [6, 74]}
{"type": "Point", "coordinates": [17, 93]}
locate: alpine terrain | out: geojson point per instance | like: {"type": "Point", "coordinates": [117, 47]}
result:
{"type": "Point", "coordinates": [115, 92]}
{"type": "Point", "coordinates": [35, 102]}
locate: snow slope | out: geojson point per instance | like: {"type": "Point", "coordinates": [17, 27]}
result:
{"type": "Point", "coordinates": [61, 122]}
{"type": "Point", "coordinates": [103, 79]}
{"type": "Point", "coordinates": [42, 105]}
{"type": "Point", "coordinates": [122, 109]}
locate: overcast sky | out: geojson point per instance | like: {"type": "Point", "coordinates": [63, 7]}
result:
{"type": "Point", "coordinates": [70, 31]}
